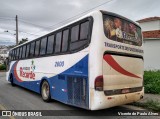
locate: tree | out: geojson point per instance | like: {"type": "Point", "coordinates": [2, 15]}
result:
{"type": "Point", "coordinates": [23, 40]}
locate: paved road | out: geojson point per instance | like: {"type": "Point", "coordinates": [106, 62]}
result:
{"type": "Point", "coordinates": [17, 98]}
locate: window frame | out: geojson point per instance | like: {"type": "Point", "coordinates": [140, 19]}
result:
{"type": "Point", "coordinates": [35, 46]}
{"type": "Point", "coordinates": [68, 51]}
{"type": "Point", "coordinates": [33, 50]}
{"type": "Point", "coordinates": [44, 38]}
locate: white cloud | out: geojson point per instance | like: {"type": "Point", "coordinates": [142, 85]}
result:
{"type": "Point", "coordinates": [47, 13]}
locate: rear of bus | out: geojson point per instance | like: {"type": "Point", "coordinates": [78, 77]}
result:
{"type": "Point", "coordinates": [120, 63]}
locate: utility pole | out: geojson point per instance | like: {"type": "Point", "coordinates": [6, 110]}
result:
{"type": "Point", "coordinates": [16, 30]}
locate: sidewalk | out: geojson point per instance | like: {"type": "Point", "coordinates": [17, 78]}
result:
{"type": "Point", "coordinates": [147, 97]}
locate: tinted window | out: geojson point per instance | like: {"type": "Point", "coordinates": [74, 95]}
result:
{"type": "Point", "coordinates": [31, 54]}
{"type": "Point", "coordinates": [37, 48]}
{"type": "Point", "coordinates": [79, 44]}
{"type": "Point", "coordinates": [17, 53]}
{"type": "Point", "coordinates": [14, 56]}
{"type": "Point", "coordinates": [65, 40]}
{"type": "Point", "coordinates": [84, 30]}
{"type": "Point", "coordinates": [58, 42]}
{"type": "Point", "coordinates": [43, 46]}
{"type": "Point", "coordinates": [74, 33]}
{"type": "Point", "coordinates": [50, 44]}
{"type": "Point", "coordinates": [24, 51]}
{"type": "Point", "coordinates": [27, 50]}
{"type": "Point", "coordinates": [20, 52]}
{"type": "Point", "coordinates": [10, 55]}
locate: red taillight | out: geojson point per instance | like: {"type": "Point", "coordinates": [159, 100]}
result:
{"type": "Point", "coordinates": [99, 83]}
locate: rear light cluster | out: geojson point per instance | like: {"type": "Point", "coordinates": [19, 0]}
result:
{"type": "Point", "coordinates": [99, 83]}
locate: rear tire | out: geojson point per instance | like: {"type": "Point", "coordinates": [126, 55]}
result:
{"type": "Point", "coordinates": [12, 81]}
{"type": "Point", "coordinates": [45, 91]}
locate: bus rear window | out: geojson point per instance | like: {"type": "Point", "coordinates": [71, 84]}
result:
{"type": "Point", "coordinates": [121, 30]}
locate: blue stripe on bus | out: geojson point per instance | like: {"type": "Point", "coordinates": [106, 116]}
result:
{"type": "Point", "coordinates": [58, 83]}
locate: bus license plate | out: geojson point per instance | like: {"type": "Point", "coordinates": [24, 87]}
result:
{"type": "Point", "coordinates": [125, 90]}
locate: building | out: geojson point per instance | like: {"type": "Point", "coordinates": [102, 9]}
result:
{"type": "Point", "coordinates": [151, 34]}
{"type": "Point", "coordinates": [3, 53]}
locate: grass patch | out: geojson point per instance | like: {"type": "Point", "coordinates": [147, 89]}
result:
{"type": "Point", "coordinates": [152, 82]}
{"type": "Point", "coordinates": [149, 104]}
{"type": "Point", "coordinates": [2, 67]}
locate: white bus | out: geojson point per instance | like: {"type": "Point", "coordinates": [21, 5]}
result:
{"type": "Point", "coordinates": [95, 62]}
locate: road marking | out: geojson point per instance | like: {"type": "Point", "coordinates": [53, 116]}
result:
{"type": "Point", "coordinates": [3, 108]}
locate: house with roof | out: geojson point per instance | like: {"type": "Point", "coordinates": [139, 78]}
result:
{"type": "Point", "coordinates": [151, 35]}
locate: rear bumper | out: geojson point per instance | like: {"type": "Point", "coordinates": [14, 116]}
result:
{"type": "Point", "coordinates": [98, 100]}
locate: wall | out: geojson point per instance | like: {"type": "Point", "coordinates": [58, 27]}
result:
{"type": "Point", "coordinates": [151, 25]}
{"type": "Point", "coordinates": [152, 54]}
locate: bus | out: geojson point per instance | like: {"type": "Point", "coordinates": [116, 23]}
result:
{"type": "Point", "coordinates": [94, 62]}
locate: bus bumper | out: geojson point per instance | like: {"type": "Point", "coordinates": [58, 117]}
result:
{"type": "Point", "coordinates": [98, 100]}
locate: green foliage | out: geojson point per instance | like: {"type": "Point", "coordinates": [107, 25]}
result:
{"type": "Point", "coordinates": [2, 67]}
{"type": "Point", "coordinates": [152, 82]}
{"type": "Point", "coordinates": [23, 41]}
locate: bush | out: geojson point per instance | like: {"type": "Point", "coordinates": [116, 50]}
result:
{"type": "Point", "coordinates": [152, 82]}
{"type": "Point", "coordinates": [2, 67]}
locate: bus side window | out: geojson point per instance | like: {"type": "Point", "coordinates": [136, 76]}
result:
{"type": "Point", "coordinates": [58, 42]}
{"type": "Point", "coordinates": [31, 54]}
{"type": "Point", "coordinates": [20, 52]}
{"type": "Point", "coordinates": [27, 50]}
{"type": "Point", "coordinates": [37, 48]}
{"type": "Point", "coordinates": [84, 30]}
{"type": "Point", "coordinates": [64, 46]}
{"type": "Point", "coordinates": [74, 33]}
{"type": "Point", "coordinates": [24, 51]}
{"type": "Point", "coordinates": [83, 39]}
{"type": "Point", "coordinates": [10, 55]}
{"type": "Point", "coordinates": [17, 53]}
{"type": "Point", "coordinates": [50, 44]}
{"type": "Point", "coordinates": [43, 46]}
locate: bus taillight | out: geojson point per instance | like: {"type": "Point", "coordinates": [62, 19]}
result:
{"type": "Point", "coordinates": [99, 83]}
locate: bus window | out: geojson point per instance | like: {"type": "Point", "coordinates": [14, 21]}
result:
{"type": "Point", "coordinates": [17, 53]}
{"type": "Point", "coordinates": [31, 54]}
{"type": "Point", "coordinates": [74, 33]}
{"type": "Point", "coordinates": [37, 48]}
{"type": "Point", "coordinates": [27, 50]}
{"type": "Point", "coordinates": [58, 42]}
{"type": "Point", "coordinates": [24, 51]}
{"type": "Point", "coordinates": [84, 30]}
{"type": "Point", "coordinates": [43, 46]}
{"type": "Point", "coordinates": [65, 40]}
{"type": "Point", "coordinates": [50, 44]}
{"type": "Point", "coordinates": [121, 30]}
{"type": "Point", "coordinates": [77, 44]}
{"type": "Point", "coordinates": [20, 52]}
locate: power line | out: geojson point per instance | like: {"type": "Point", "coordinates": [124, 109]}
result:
{"type": "Point", "coordinates": [8, 31]}
{"type": "Point", "coordinates": [63, 21]}
{"type": "Point", "coordinates": [29, 33]}
{"type": "Point", "coordinates": [24, 21]}
{"type": "Point", "coordinates": [82, 13]}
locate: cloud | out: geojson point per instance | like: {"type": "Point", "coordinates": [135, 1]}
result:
{"type": "Point", "coordinates": [37, 17]}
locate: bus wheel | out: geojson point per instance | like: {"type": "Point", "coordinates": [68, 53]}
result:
{"type": "Point", "coordinates": [12, 82]}
{"type": "Point", "coordinates": [45, 91]}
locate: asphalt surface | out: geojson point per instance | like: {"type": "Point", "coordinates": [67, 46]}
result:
{"type": "Point", "coordinates": [17, 98]}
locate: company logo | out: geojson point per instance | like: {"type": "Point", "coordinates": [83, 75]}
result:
{"type": "Point", "coordinates": [28, 72]}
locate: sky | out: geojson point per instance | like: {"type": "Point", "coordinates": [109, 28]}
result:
{"type": "Point", "coordinates": [38, 17]}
